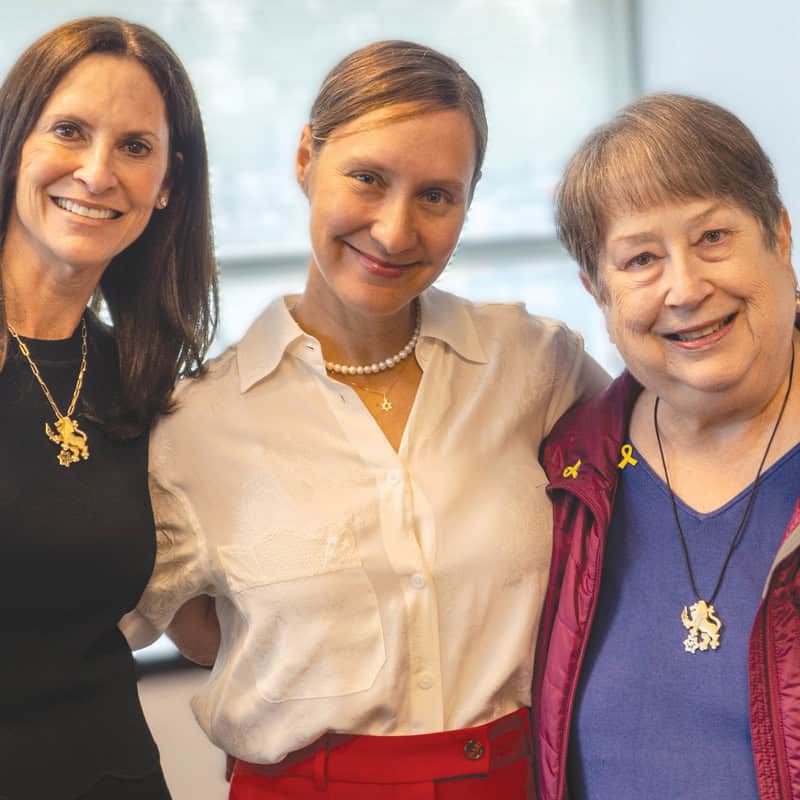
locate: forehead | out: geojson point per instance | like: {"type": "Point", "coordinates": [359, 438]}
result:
{"type": "Point", "coordinates": [115, 89]}
{"type": "Point", "coordinates": [404, 136]}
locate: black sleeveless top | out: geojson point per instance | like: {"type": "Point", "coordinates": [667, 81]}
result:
{"type": "Point", "coordinates": [77, 546]}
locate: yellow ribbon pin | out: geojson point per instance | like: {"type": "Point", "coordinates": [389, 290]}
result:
{"type": "Point", "coordinates": [572, 472]}
{"type": "Point", "coordinates": [627, 457]}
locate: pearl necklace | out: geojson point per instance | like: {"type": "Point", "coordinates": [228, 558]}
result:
{"type": "Point", "coordinates": [380, 366]}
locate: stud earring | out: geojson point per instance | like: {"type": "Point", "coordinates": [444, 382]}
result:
{"type": "Point", "coordinates": [161, 203]}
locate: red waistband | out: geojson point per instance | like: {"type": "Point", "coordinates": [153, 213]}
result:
{"type": "Point", "coordinates": [406, 759]}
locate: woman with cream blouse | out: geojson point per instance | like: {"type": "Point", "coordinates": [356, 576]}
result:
{"type": "Point", "coordinates": [356, 482]}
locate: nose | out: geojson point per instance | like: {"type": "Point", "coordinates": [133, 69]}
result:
{"type": "Point", "coordinates": [96, 168]}
{"type": "Point", "coordinates": [394, 227]}
{"type": "Point", "coordinates": [687, 283]}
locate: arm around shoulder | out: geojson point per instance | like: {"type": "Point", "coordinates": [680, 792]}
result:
{"type": "Point", "coordinates": [577, 376]}
{"type": "Point", "coordinates": [177, 598]}
{"type": "Point", "coordinates": [195, 630]}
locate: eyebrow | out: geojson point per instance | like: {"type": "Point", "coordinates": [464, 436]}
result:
{"type": "Point", "coordinates": [648, 236]}
{"type": "Point", "coordinates": [635, 238]}
{"type": "Point", "coordinates": [133, 134]}
{"type": "Point", "coordinates": [704, 215]}
{"type": "Point", "coordinates": [356, 163]}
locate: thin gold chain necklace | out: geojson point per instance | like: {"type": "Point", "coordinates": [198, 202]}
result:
{"type": "Point", "coordinates": [700, 619]}
{"type": "Point", "coordinates": [68, 436]}
{"type": "Point", "coordinates": [386, 404]}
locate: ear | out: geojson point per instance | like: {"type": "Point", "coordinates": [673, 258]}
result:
{"type": "Point", "coordinates": [601, 301]}
{"type": "Point", "coordinates": [597, 294]}
{"type": "Point", "coordinates": [783, 236]}
{"type": "Point", "coordinates": [162, 200]}
{"type": "Point", "coordinates": [305, 158]}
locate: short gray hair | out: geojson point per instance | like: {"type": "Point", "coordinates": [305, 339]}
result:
{"type": "Point", "coordinates": [660, 149]}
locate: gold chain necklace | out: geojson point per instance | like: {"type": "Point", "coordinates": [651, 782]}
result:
{"type": "Point", "coordinates": [700, 618]}
{"type": "Point", "coordinates": [68, 436]}
{"type": "Point", "coordinates": [386, 404]}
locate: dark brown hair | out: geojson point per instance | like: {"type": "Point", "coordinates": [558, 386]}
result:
{"type": "Point", "coordinates": [660, 149]}
{"type": "Point", "coordinates": [393, 73]}
{"type": "Point", "coordinates": [161, 291]}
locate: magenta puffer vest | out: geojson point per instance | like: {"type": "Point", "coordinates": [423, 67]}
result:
{"type": "Point", "coordinates": [582, 506]}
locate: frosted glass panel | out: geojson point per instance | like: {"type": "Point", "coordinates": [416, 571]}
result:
{"type": "Point", "coordinates": [549, 69]}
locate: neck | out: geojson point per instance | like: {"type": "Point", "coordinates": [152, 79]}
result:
{"type": "Point", "coordinates": [33, 325]}
{"type": "Point", "coordinates": [729, 416]}
{"type": "Point", "coordinates": [350, 337]}
{"type": "Point", "coordinates": [43, 303]}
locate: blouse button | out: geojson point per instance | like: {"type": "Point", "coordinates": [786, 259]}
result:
{"type": "Point", "coordinates": [418, 581]}
{"type": "Point", "coordinates": [473, 750]}
{"type": "Point", "coordinates": [425, 681]}
{"type": "Point", "coordinates": [394, 477]}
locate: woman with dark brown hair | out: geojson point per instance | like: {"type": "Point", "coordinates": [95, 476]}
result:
{"type": "Point", "coordinates": [104, 187]}
{"type": "Point", "coordinates": [355, 480]}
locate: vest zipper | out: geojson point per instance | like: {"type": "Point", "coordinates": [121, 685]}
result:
{"type": "Point", "coordinates": [773, 706]}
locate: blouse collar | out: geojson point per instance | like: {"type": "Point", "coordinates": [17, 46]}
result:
{"type": "Point", "coordinates": [275, 332]}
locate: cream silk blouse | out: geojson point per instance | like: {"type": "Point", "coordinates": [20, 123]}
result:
{"type": "Point", "coordinates": [360, 589]}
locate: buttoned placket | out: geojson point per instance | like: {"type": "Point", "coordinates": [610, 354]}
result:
{"type": "Point", "coordinates": [407, 527]}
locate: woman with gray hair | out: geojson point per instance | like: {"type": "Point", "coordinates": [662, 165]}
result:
{"type": "Point", "coordinates": [668, 660]}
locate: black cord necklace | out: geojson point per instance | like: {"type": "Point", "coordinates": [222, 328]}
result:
{"type": "Point", "coordinates": [700, 618]}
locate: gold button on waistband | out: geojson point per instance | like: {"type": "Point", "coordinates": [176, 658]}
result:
{"type": "Point", "coordinates": [473, 750]}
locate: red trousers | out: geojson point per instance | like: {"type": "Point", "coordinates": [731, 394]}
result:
{"type": "Point", "coordinates": [488, 762]}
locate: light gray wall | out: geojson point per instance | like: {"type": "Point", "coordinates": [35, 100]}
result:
{"type": "Point", "coordinates": [742, 54]}
{"type": "Point", "coordinates": [193, 767]}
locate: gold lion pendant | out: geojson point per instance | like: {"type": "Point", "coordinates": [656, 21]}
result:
{"type": "Point", "coordinates": [71, 439]}
{"type": "Point", "coordinates": [703, 626]}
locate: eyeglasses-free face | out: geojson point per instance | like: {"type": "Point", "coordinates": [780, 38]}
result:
{"type": "Point", "coordinates": [93, 169]}
{"type": "Point", "coordinates": [388, 198]}
{"type": "Point", "coordinates": [696, 300]}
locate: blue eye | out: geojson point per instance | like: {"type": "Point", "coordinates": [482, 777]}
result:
{"type": "Point", "coordinates": [713, 237]}
{"type": "Point", "coordinates": [365, 178]}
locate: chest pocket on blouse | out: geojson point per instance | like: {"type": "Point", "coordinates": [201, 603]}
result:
{"type": "Point", "coordinates": [313, 624]}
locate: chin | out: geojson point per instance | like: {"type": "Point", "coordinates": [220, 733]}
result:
{"type": "Point", "coordinates": [712, 382]}
{"type": "Point", "coordinates": [379, 301]}
{"type": "Point", "coordinates": [81, 261]}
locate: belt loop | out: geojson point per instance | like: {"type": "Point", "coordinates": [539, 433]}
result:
{"type": "Point", "coordinates": [526, 729]}
{"type": "Point", "coordinates": [321, 766]}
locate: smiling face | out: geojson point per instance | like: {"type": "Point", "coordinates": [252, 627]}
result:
{"type": "Point", "coordinates": [695, 299]}
{"type": "Point", "coordinates": [92, 169]}
{"type": "Point", "coordinates": [388, 199]}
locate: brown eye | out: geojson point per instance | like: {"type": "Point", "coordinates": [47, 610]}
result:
{"type": "Point", "coordinates": [641, 260]}
{"type": "Point", "coordinates": [137, 148]}
{"type": "Point", "coordinates": [66, 130]}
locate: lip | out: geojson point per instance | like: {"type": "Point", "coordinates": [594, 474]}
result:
{"type": "Point", "coordinates": [722, 326]}
{"type": "Point", "coordinates": [380, 267]}
{"type": "Point", "coordinates": [116, 214]}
